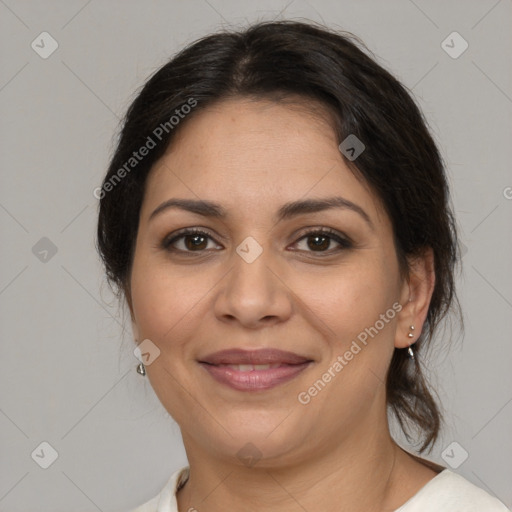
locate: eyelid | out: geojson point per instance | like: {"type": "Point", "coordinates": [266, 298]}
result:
{"type": "Point", "coordinates": [173, 237]}
{"type": "Point", "coordinates": [344, 242]}
{"type": "Point", "coordinates": [324, 230]}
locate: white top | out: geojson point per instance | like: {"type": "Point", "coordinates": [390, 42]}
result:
{"type": "Point", "coordinates": [446, 492]}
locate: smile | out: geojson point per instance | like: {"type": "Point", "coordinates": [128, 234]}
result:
{"type": "Point", "coordinates": [257, 377]}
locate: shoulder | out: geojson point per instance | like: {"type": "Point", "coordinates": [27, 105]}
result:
{"type": "Point", "coordinates": [449, 491]}
{"type": "Point", "coordinates": [165, 500]}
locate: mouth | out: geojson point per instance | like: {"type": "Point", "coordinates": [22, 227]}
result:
{"type": "Point", "coordinates": [254, 370]}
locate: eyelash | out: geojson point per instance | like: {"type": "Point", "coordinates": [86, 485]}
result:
{"type": "Point", "coordinates": [344, 242]}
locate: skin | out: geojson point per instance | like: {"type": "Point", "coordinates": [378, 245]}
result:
{"type": "Point", "coordinates": [336, 452]}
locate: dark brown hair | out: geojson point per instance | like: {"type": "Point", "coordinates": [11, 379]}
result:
{"type": "Point", "coordinates": [401, 163]}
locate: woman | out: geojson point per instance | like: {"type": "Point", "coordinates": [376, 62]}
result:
{"type": "Point", "coordinates": [277, 217]}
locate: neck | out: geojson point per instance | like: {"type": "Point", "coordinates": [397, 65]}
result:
{"type": "Point", "coordinates": [360, 473]}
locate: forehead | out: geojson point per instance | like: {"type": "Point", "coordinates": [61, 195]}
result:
{"type": "Point", "coordinates": [247, 153]}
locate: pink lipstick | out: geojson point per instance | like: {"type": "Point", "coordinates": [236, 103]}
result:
{"type": "Point", "coordinates": [254, 370]}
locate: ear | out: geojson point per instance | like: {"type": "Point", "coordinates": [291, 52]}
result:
{"type": "Point", "coordinates": [415, 297]}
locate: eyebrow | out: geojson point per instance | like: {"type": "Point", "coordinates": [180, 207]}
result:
{"type": "Point", "coordinates": [287, 211]}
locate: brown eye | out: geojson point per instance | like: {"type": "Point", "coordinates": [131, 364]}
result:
{"type": "Point", "coordinates": [320, 240]}
{"type": "Point", "coordinates": [193, 241]}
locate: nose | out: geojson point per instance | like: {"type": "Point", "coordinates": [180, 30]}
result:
{"type": "Point", "coordinates": [253, 293]}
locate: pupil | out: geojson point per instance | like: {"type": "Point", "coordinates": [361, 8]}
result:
{"type": "Point", "coordinates": [197, 240]}
{"type": "Point", "coordinates": [320, 245]}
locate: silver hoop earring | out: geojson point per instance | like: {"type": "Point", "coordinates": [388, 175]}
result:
{"type": "Point", "coordinates": [141, 369]}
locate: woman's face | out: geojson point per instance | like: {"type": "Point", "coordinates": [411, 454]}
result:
{"type": "Point", "coordinates": [258, 281]}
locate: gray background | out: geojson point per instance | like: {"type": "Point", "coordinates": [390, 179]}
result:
{"type": "Point", "coordinates": [68, 372]}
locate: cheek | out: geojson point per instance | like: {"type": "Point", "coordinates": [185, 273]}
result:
{"type": "Point", "coordinates": [350, 298]}
{"type": "Point", "coordinates": [356, 304]}
{"type": "Point", "coordinates": [165, 301]}
{"type": "Point", "coordinates": [339, 300]}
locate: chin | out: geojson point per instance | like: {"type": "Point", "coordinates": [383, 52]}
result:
{"type": "Point", "coordinates": [256, 440]}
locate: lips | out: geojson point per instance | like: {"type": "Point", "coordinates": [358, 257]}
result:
{"type": "Point", "coordinates": [254, 370]}
{"type": "Point", "coordinates": [254, 357]}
